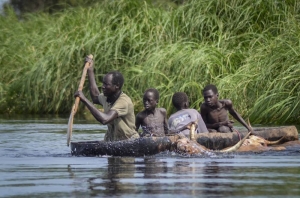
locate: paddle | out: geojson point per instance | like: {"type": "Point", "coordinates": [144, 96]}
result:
{"type": "Point", "coordinates": [77, 100]}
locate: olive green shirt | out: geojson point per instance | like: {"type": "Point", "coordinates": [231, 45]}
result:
{"type": "Point", "coordinates": [123, 127]}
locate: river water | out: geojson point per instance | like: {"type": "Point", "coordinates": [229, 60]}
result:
{"type": "Point", "coordinates": [36, 162]}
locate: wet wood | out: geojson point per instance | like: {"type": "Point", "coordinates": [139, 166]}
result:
{"type": "Point", "coordinates": [154, 145]}
{"type": "Point", "coordinates": [218, 141]}
{"type": "Point", "coordinates": [137, 147]}
{"type": "Point", "coordinates": [77, 100]}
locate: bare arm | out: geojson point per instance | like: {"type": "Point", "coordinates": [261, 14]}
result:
{"type": "Point", "coordinates": [166, 128]}
{"type": "Point", "coordinates": [138, 122]}
{"type": "Point", "coordinates": [104, 118]}
{"type": "Point", "coordinates": [94, 91]}
{"type": "Point", "coordinates": [236, 115]}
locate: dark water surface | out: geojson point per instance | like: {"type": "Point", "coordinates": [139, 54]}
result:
{"type": "Point", "coordinates": [35, 162]}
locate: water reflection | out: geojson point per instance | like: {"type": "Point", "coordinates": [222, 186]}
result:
{"type": "Point", "coordinates": [111, 181]}
{"type": "Point", "coordinates": [126, 175]}
{"type": "Point", "coordinates": [153, 167]}
{"type": "Point", "coordinates": [153, 171]}
{"type": "Point", "coordinates": [213, 178]}
{"type": "Point", "coordinates": [118, 170]}
{"type": "Point", "coordinates": [35, 162]}
{"type": "Point", "coordinates": [175, 176]}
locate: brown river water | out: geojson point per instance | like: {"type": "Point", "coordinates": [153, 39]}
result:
{"type": "Point", "coordinates": [36, 162]}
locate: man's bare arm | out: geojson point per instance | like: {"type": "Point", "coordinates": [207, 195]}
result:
{"type": "Point", "coordinates": [166, 128]}
{"type": "Point", "coordinates": [104, 118]}
{"type": "Point", "coordinates": [138, 122]}
{"type": "Point", "coordinates": [94, 91]}
{"type": "Point", "coordinates": [236, 115]}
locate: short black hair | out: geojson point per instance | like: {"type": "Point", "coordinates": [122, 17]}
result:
{"type": "Point", "coordinates": [210, 87]}
{"type": "Point", "coordinates": [179, 98]}
{"type": "Point", "coordinates": [154, 91]}
{"type": "Point", "coordinates": [117, 78]}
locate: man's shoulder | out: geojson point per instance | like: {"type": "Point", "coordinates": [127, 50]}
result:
{"type": "Point", "coordinates": [193, 111]}
{"type": "Point", "coordinates": [125, 97]}
{"type": "Point", "coordinates": [173, 114]}
{"type": "Point", "coordinates": [184, 112]}
{"type": "Point", "coordinates": [226, 102]}
{"type": "Point", "coordinates": [162, 110]}
{"type": "Point", "coordinates": [123, 102]}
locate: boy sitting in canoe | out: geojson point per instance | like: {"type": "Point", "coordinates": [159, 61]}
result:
{"type": "Point", "coordinates": [152, 120]}
{"type": "Point", "coordinates": [215, 112]}
{"type": "Point", "coordinates": [184, 116]}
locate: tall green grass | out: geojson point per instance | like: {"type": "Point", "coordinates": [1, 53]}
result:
{"type": "Point", "coordinates": [249, 49]}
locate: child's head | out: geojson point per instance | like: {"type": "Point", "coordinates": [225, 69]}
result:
{"type": "Point", "coordinates": [210, 87]}
{"type": "Point", "coordinates": [210, 94]}
{"type": "Point", "coordinates": [150, 99]}
{"type": "Point", "coordinates": [180, 100]}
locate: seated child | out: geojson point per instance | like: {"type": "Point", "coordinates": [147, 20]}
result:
{"type": "Point", "coordinates": [152, 120]}
{"type": "Point", "coordinates": [183, 117]}
{"type": "Point", "coordinates": [215, 112]}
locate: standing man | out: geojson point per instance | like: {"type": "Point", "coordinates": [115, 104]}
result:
{"type": "Point", "coordinates": [118, 108]}
{"type": "Point", "coordinates": [215, 112]}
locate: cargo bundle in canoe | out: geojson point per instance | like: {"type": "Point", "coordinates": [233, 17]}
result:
{"type": "Point", "coordinates": [154, 145]}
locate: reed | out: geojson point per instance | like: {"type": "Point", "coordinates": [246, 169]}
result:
{"type": "Point", "coordinates": [249, 50]}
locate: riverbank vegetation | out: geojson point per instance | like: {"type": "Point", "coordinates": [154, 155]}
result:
{"type": "Point", "coordinates": [248, 49]}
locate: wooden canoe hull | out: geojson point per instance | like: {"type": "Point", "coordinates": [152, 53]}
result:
{"type": "Point", "coordinates": [135, 147]}
{"type": "Point", "coordinates": [218, 141]}
{"type": "Point", "coordinates": [154, 145]}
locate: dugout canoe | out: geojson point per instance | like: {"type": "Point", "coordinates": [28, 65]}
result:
{"type": "Point", "coordinates": [154, 145]}
{"type": "Point", "coordinates": [218, 141]}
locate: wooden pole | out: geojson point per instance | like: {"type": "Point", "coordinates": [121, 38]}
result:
{"type": "Point", "coordinates": [77, 100]}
